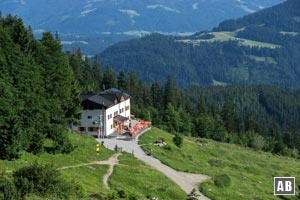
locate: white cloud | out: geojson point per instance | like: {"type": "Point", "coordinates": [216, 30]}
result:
{"type": "Point", "coordinates": [73, 42]}
{"type": "Point", "coordinates": [260, 7]}
{"type": "Point", "coordinates": [106, 33]}
{"type": "Point", "coordinates": [135, 33]}
{"type": "Point", "coordinates": [131, 14]}
{"type": "Point", "coordinates": [112, 22]}
{"type": "Point", "coordinates": [245, 8]}
{"type": "Point", "coordinates": [86, 12]}
{"type": "Point", "coordinates": [39, 31]}
{"type": "Point", "coordinates": [195, 6]}
{"type": "Point", "coordinates": [163, 7]}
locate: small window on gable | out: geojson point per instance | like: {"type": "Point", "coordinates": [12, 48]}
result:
{"type": "Point", "coordinates": [90, 117]}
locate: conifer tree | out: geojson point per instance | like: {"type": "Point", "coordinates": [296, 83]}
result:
{"type": "Point", "coordinates": [109, 78]}
{"type": "Point", "coordinates": [97, 75]}
{"type": "Point", "coordinates": [122, 80]}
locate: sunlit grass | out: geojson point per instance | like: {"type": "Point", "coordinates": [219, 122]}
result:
{"type": "Point", "coordinates": [251, 172]}
{"type": "Point", "coordinates": [135, 177]}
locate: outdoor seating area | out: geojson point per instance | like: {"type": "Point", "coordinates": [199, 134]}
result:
{"type": "Point", "coordinates": [130, 132]}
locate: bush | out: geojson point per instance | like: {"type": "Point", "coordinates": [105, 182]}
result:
{"type": "Point", "coordinates": [61, 142]}
{"type": "Point", "coordinates": [258, 142]}
{"type": "Point", "coordinates": [7, 189]}
{"type": "Point", "coordinates": [177, 139]}
{"type": "Point", "coordinates": [222, 180]}
{"type": "Point", "coordinates": [122, 194]}
{"type": "Point", "coordinates": [215, 162]}
{"type": "Point", "coordinates": [46, 181]}
{"type": "Point", "coordinates": [193, 195]}
{"type": "Point", "coordinates": [168, 148]}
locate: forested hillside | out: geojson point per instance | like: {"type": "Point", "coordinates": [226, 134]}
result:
{"type": "Point", "coordinates": [94, 25]}
{"type": "Point", "coordinates": [258, 116]}
{"type": "Point", "coordinates": [252, 49]}
{"type": "Point", "coordinates": [39, 94]}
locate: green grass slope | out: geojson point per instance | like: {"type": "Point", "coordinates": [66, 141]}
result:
{"type": "Point", "coordinates": [251, 172]}
{"type": "Point", "coordinates": [132, 176]}
{"type": "Point", "coordinates": [223, 36]}
{"type": "Point", "coordinates": [141, 180]}
{"type": "Point", "coordinates": [85, 151]}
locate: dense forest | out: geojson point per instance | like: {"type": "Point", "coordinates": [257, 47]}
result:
{"type": "Point", "coordinates": [257, 116]}
{"type": "Point", "coordinates": [39, 98]}
{"type": "Point", "coordinates": [40, 86]}
{"type": "Point", "coordinates": [255, 49]}
{"type": "Point", "coordinates": [38, 91]}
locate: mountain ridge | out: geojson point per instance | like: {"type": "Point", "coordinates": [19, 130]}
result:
{"type": "Point", "coordinates": [93, 25]}
{"type": "Point", "coordinates": [263, 54]}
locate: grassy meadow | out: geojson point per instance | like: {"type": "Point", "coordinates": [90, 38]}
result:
{"type": "Point", "coordinates": [132, 176]}
{"type": "Point", "coordinates": [251, 173]}
{"type": "Point", "coordinates": [141, 180]}
{"type": "Point", "coordinates": [226, 36]}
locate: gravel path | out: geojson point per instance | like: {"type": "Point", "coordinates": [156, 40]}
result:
{"type": "Point", "coordinates": [186, 181]}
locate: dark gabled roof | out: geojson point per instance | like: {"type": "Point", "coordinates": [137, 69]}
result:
{"type": "Point", "coordinates": [87, 95]}
{"type": "Point", "coordinates": [120, 118]}
{"type": "Point", "coordinates": [106, 98]}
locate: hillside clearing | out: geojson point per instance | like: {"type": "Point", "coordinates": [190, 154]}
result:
{"type": "Point", "coordinates": [226, 36]}
{"type": "Point", "coordinates": [251, 172]}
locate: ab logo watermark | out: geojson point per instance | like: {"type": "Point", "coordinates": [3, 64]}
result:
{"type": "Point", "coordinates": [284, 185]}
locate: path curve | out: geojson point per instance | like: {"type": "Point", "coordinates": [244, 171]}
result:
{"type": "Point", "coordinates": [186, 181]}
{"type": "Point", "coordinates": [111, 162]}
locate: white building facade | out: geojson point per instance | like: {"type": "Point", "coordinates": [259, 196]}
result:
{"type": "Point", "coordinates": [104, 113]}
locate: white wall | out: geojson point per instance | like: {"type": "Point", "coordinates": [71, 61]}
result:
{"type": "Point", "coordinates": [109, 129]}
{"type": "Point", "coordinates": [108, 125]}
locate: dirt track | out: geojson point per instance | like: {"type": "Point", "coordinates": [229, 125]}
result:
{"type": "Point", "coordinates": [111, 162]}
{"type": "Point", "coordinates": [186, 181]}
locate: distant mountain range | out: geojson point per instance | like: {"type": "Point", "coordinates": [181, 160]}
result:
{"type": "Point", "coordinates": [262, 47]}
{"type": "Point", "coordinates": [96, 24]}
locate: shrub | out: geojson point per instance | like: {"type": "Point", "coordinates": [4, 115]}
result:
{"type": "Point", "coordinates": [122, 194]}
{"type": "Point", "coordinates": [193, 195]}
{"type": "Point", "coordinates": [177, 139]}
{"type": "Point", "coordinates": [222, 180]}
{"type": "Point", "coordinates": [45, 180]}
{"type": "Point", "coordinates": [7, 189]}
{"type": "Point", "coordinates": [168, 148]}
{"type": "Point", "coordinates": [258, 142]}
{"type": "Point", "coordinates": [215, 162]}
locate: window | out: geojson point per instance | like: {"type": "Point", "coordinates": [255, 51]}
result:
{"type": "Point", "coordinates": [108, 117]}
{"type": "Point", "coordinates": [111, 126]}
{"type": "Point", "coordinates": [115, 113]}
{"type": "Point", "coordinates": [81, 129]}
{"type": "Point", "coordinates": [127, 108]}
{"type": "Point", "coordinates": [90, 117]}
{"type": "Point", "coordinates": [93, 129]}
{"type": "Point", "coordinates": [120, 111]}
